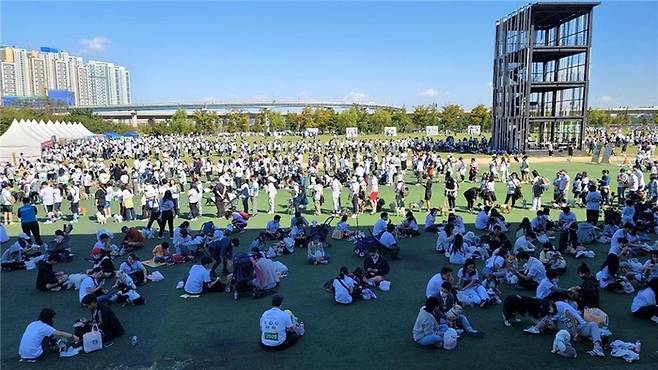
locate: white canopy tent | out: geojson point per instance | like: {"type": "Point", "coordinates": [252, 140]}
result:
{"type": "Point", "coordinates": [27, 137]}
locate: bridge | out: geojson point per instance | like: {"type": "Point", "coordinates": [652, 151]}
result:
{"type": "Point", "coordinates": [140, 113]}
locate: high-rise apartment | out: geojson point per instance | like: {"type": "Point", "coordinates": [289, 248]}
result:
{"type": "Point", "coordinates": [31, 73]}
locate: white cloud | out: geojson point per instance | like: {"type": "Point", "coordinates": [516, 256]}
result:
{"type": "Point", "coordinates": [355, 97]}
{"type": "Point", "coordinates": [606, 99]}
{"type": "Point", "coordinates": [429, 92]}
{"type": "Point", "coordinates": [97, 45]}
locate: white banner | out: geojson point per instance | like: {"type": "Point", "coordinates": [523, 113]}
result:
{"type": "Point", "coordinates": [431, 130]}
{"type": "Point", "coordinates": [390, 131]}
{"type": "Point", "coordinates": [351, 132]}
{"type": "Point", "coordinates": [473, 130]}
{"type": "Point", "coordinates": [312, 131]}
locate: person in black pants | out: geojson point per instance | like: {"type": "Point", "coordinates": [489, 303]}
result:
{"type": "Point", "coordinates": [451, 192]}
{"type": "Point", "coordinates": [28, 215]}
{"type": "Point", "coordinates": [166, 214]}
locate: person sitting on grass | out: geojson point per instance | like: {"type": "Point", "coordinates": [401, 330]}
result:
{"type": "Point", "coordinates": [644, 303]}
{"type": "Point", "coordinates": [433, 287]}
{"type": "Point", "coordinates": [342, 230]}
{"type": "Point", "coordinates": [161, 253]}
{"type": "Point", "coordinates": [38, 338]}
{"type": "Point", "coordinates": [12, 257]}
{"type": "Point", "coordinates": [430, 221]}
{"type": "Point", "coordinates": [93, 284]}
{"type": "Point", "coordinates": [273, 228]}
{"type": "Point", "coordinates": [375, 266]}
{"type": "Point", "coordinates": [221, 250]}
{"type": "Point", "coordinates": [135, 269]}
{"type": "Point", "coordinates": [427, 331]}
{"type": "Point", "coordinates": [409, 227]}
{"type": "Point", "coordinates": [388, 241]}
{"type": "Point", "coordinates": [563, 312]}
{"type": "Point", "coordinates": [380, 226]}
{"type": "Point", "coordinates": [279, 329]}
{"type": "Point", "coordinates": [133, 239]}
{"type": "Point", "coordinates": [198, 279]}
{"type": "Point", "coordinates": [549, 290]}
{"type": "Point", "coordinates": [316, 253]}
{"type": "Point", "coordinates": [299, 233]}
{"type": "Point", "coordinates": [450, 313]}
{"type": "Point", "coordinates": [346, 290]}
{"type": "Point", "coordinates": [101, 315]}
{"type": "Point", "coordinates": [607, 276]}
{"type": "Point", "coordinates": [47, 279]}
{"type": "Point", "coordinates": [533, 273]}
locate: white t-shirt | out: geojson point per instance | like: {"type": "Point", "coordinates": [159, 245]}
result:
{"type": "Point", "coordinates": [193, 196]}
{"type": "Point", "coordinates": [434, 286]}
{"type": "Point", "coordinates": [273, 324]}
{"type": "Point", "coordinates": [341, 293]}
{"type": "Point", "coordinates": [563, 307]}
{"type": "Point", "coordinates": [522, 244]}
{"type": "Point", "coordinates": [387, 239]}
{"type": "Point", "coordinates": [47, 196]}
{"type": "Point", "coordinates": [30, 346]}
{"type": "Point", "coordinates": [544, 288]}
{"type": "Point", "coordinates": [194, 283]}
{"type": "Point", "coordinates": [536, 269]}
{"type": "Point", "coordinates": [86, 283]}
{"type": "Point", "coordinates": [380, 227]}
{"type": "Point", "coordinates": [643, 298]}
{"type": "Point", "coordinates": [481, 220]}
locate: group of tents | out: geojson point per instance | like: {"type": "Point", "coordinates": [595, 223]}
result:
{"type": "Point", "coordinates": [29, 137]}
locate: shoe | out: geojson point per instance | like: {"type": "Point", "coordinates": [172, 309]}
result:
{"type": "Point", "coordinates": [506, 322]}
{"type": "Point", "coordinates": [654, 319]}
{"type": "Point", "coordinates": [596, 352]}
{"type": "Point", "coordinates": [475, 334]}
{"type": "Point", "coordinates": [108, 344]}
{"type": "Point", "coordinates": [532, 330]}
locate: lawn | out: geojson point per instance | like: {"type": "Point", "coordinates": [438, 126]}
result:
{"type": "Point", "coordinates": [215, 331]}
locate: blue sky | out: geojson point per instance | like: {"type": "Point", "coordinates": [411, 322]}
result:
{"type": "Point", "coordinates": [398, 53]}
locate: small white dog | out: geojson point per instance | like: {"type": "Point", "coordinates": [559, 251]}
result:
{"type": "Point", "coordinates": [562, 345]}
{"type": "Point", "coordinates": [100, 218]}
{"type": "Point", "coordinates": [74, 281]}
{"type": "Point", "coordinates": [117, 218]}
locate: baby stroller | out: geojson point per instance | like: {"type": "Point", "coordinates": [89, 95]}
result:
{"type": "Point", "coordinates": [363, 243]}
{"type": "Point", "coordinates": [242, 277]}
{"type": "Point", "coordinates": [320, 232]}
{"type": "Point", "coordinates": [60, 245]}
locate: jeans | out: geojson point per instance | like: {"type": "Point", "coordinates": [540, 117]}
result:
{"type": "Point", "coordinates": [621, 196]}
{"type": "Point", "coordinates": [463, 322]}
{"type": "Point", "coordinates": [429, 340]}
{"type": "Point", "coordinates": [130, 214]}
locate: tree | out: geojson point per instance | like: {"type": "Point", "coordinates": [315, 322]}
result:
{"type": "Point", "coordinates": [259, 123]}
{"type": "Point", "coordinates": [347, 118]}
{"type": "Point", "coordinates": [276, 120]}
{"type": "Point", "coordinates": [306, 119]}
{"type": "Point", "coordinates": [380, 119]}
{"type": "Point", "coordinates": [425, 115]}
{"type": "Point", "coordinates": [243, 122]}
{"type": "Point", "coordinates": [401, 120]}
{"type": "Point", "coordinates": [597, 117]}
{"type": "Point", "coordinates": [324, 119]}
{"type": "Point", "coordinates": [205, 122]}
{"type": "Point", "coordinates": [232, 122]}
{"type": "Point", "coordinates": [451, 116]}
{"type": "Point", "coordinates": [480, 116]}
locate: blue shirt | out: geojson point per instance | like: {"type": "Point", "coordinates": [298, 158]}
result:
{"type": "Point", "coordinates": [27, 213]}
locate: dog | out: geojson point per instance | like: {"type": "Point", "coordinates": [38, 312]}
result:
{"type": "Point", "coordinates": [504, 208]}
{"type": "Point", "coordinates": [74, 281]}
{"type": "Point", "coordinates": [117, 218]}
{"type": "Point", "coordinates": [453, 313]}
{"type": "Point", "coordinates": [100, 218]}
{"type": "Point", "coordinates": [83, 211]}
{"type": "Point", "coordinates": [514, 305]}
{"type": "Point", "coordinates": [84, 196]}
{"type": "Point", "coordinates": [562, 345]}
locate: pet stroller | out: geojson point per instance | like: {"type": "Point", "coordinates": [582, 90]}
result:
{"type": "Point", "coordinates": [242, 279]}
{"type": "Point", "coordinates": [363, 243]}
{"type": "Point", "coordinates": [321, 232]}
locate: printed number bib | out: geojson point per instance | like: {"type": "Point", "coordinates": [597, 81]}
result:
{"type": "Point", "coordinates": [272, 336]}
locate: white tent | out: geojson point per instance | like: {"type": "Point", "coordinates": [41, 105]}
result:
{"type": "Point", "coordinates": [18, 139]}
{"type": "Point", "coordinates": [26, 137]}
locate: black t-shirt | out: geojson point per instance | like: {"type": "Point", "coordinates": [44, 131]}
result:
{"type": "Point", "coordinates": [45, 275]}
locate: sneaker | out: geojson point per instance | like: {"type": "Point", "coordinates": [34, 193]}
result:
{"type": "Point", "coordinates": [654, 319]}
{"type": "Point", "coordinates": [475, 334]}
{"type": "Point", "coordinates": [108, 344]}
{"type": "Point", "coordinates": [506, 322]}
{"type": "Point", "coordinates": [532, 330]}
{"type": "Point", "coordinates": [596, 352]}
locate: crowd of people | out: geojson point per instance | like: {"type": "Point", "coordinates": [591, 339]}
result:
{"type": "Point", "coordinates": [153, 179]}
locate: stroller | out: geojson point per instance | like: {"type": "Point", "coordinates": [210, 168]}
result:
{"type": "Point", "coordinates": [60, 245]}
{"type": "Point", "coordinates": [242, 279]}
{"type": "Point", "coordinates": [321, 232]}
{"type": "Point", "coordinates": [363, 243]}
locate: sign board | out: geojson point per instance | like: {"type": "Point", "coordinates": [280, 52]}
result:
{"type": "Point", "coordinates": [432, 130]}
{"type": "Point", "coordinates": [390, 131]}
{"type": "Point", "coordinates": [596, 152]}
{"type": "Point", "coordinates": [473, 130]}
{"type": "Point", "coordinates": [607, 152]}
{"type": "Point", "coordinates": [351, 132]}
{"type": "Point", "coordinates": [312, 131]}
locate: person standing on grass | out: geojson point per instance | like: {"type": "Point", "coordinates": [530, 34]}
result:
{"type": "Point", "coordinates": [193, 198]}
{"type": "Point", "coordinates": [254, 190]}
{"type": "Point", "coordinates": [7, 203]}
{"type": "Point", "coordinates": [28, 215]}
{"type": "Point", "coordinates": [47, 195]}
{"type": "Point", "coordinates": [166, 214]}
{"type": "Point", "coordinates": [428, 192]}
{"type": "Point", "coordinates": [271, 195]}
{"type": "Point", "coordinates": [336, 188]}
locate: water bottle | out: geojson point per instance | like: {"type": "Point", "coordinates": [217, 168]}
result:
{"type": "Point", "coordinates": [133, 340]}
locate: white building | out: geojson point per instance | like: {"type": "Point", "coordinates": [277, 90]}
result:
{"type": "Point", "coordinates": [33, 73]}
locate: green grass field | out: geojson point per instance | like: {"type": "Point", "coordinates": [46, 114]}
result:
{"type": "Point", "coordinates": [215, 331]}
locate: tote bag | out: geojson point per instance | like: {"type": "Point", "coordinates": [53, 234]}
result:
{"type": "Point", "coordinates": [92, 341]}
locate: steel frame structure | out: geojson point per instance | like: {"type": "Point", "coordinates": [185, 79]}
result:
{"type": "Point", "coordinates": [541, 76]}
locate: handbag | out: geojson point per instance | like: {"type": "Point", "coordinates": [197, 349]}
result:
{"type": "Point", "coordinates": [93, 340]}
{"type": "Point", "coordinates": [596, 315]}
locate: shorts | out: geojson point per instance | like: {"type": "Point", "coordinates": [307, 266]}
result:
{"type": "Point", "coordinates": [7, 208]}
{"type": "Point", "coordinates": [57, 206]}
{"type": "Point", "coordinates": [373, 196]}
{"type": "Point", "coordinates": [107, 205]}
